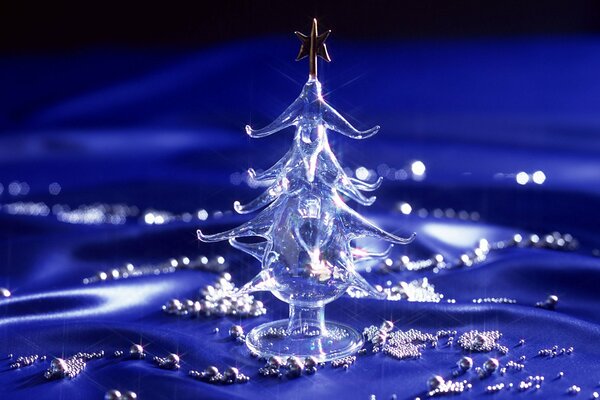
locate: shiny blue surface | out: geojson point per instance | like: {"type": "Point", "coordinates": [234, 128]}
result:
{"type": "Point", "coordinates": [164, 130]}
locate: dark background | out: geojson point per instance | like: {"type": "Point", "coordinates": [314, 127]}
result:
{"type": "Point", "coordinates": [27, 26]}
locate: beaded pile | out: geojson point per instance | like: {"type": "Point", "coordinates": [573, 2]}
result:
{"type": "Point", "coordinates": [218, 299]}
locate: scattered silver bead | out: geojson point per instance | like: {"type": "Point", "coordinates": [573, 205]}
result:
{"type": "Point", "coordinates": [5, 293]}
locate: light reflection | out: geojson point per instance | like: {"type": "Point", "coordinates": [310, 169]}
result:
{"type": "Point", "coordinates": [362, 173]}
{"type": "Point", "coordinates": [202, 214]}
{"type": "Point", "coordinates": [418, 168]}
{"type": "Point", "coordinates": [405, 208]}
{"type": "Point", "coordinates": [538, 177]}
{"type": "Point", "coordinates": [455, 235]}
{"type": "Point", "coordinates": [522, 178]}
{"type": "Point", "coordinates": [54, 188]}
{"type": "Point", "coordinates": [14, 188]}
{"type": "Point", "coordinates": [110, 299]}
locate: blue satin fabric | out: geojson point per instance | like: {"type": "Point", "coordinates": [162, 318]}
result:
{"type": "Point", "coordinates": [164, 130]}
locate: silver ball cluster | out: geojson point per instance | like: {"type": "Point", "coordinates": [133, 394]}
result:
{"type": "Point", "coordinates": [531, 382]}
{"type": "Point", "coordinates": [212, 375]}
{"type": "Point", "coordinates": [437, 262]}
{"type": "Point", "coordinates": [220, 298]}
{"type": "Point", "coordinates": [515, 365]}
{"type": "Point", "coordinates": [494, 388]}
{"type": "Point", "coordinates": [292, 367]}
{"type": "Point", "coordinates": [448, 387]}
{"type": "Point", "coordinates": [573, 389]}
{"type": "Point", "coordinates": [24, 361]}
{"type": "Point", "coordinates": [555, 351]}
{"type": "Point", "coordinates": [475, 341]}
{"type": "Point", "coordinates": [344, 362]}
{"type": "Point", "coordinates": [70, 367]}
{"type": "Point", "coordinates": [171, 361]}
{"type": "Point", "coordinates": [418, 290]}
{"type": "Point", "coordinates": [494, 300]}
{"type": "Point", "coordinates": [114, 394]}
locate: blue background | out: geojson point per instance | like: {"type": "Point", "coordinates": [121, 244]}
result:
{"type": "Point", "coordinates": [164, 129]}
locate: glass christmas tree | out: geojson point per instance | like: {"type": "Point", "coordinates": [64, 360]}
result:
{"type": "Point", "coordinates": [306, 228]}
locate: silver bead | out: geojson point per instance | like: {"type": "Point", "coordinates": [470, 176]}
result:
{"type": "Point", "coordinates": [173, 306]}
{"type": "Point", "coordinates": [231, 374]}
{"type": "Point", "coordinates": [552, 300]}
{"type": "Point", "coordinates": [491, 365]}
{"type": "Point", "coordinates": [434, 382]}
{"type": "Point", "coordinates": [465, 363]}
{"type": "Point", "coordinates": [275, 362]}
{"type": "Point", "coordinates": [59, 367]}
{"type": "Point", "coordinates": [129, 396]}
{"type": "Point", "coordinates": [210, 371]}
{"type": "Point", "coordinates": [173, 359]}
{"type": "Point", "coordinates": [236, 331]}
{"type": "Point", "coordinates": [4, 292]}
{"type": "Point", "coordinates": [294, 366]}
{"type": "Point", "coordinates": [310, 362]}
{"type": "Point", "coordinates": [387, 326]}
{"type": "Point", "coordinates": [113, 395]}
{"type": "Point", "coordinates": [136, 351]}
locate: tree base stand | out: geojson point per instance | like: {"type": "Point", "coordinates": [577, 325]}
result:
{"type": "Point", "coordinates": [333, 342]}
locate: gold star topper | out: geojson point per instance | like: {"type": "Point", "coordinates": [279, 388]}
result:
{"type": "Point", "coordinates": [313, 46]}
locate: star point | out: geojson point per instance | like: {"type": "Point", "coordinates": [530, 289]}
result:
{"type": "Point", "coordinates": [313, 46]}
